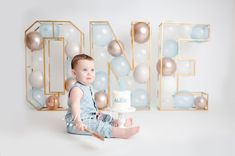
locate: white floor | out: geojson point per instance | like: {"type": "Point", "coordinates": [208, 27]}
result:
{"type": "Point", "coordinates": [162, 133]}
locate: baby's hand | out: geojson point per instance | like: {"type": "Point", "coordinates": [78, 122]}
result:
{"type": "Point", "coordinates": [80, 125]}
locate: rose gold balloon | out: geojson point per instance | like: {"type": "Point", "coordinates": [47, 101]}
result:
{"type": "Point", "coordinates": [201, 102]}
{"type": "Point", "coordinates": [115, 48]}
{"type": "Point", "coordinates": [101, 99]}
{"type": "Point", "coordinates": [69, 83]}
{"type": "Point", "coordinates": [34, 41]}
{"type": "Point", "coordinates": [52, 102]}
{"type": "Point", "coordinates": [168, 66]}
{"type": "Point", "coordinates": [141, 32]}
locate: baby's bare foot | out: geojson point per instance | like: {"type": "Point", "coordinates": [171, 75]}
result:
{"type": "Point", "coordinates": [129, 132]}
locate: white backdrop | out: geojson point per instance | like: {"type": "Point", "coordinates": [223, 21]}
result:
{"type": "Point", "coordinates": [216, 73]}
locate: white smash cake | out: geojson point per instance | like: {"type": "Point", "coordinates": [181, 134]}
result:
{"type": "Point", "coordinates": [121, 100]}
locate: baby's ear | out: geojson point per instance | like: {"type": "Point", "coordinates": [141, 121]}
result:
{"type": "Point", "coordinates": [73, 73]}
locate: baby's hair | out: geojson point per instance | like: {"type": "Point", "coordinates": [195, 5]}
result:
{"type": "Point", "coordinates": [80, 57]}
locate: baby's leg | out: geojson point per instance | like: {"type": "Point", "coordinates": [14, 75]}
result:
{"type": "Point", "coordinates": [124, 133]}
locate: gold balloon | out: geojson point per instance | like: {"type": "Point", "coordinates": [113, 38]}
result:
{"type": "Point", "coordinates": [101, 99]}
{"type": "Point", "coordinates": [52, 102]}
{"type": "Point", "coordinates": [168, 66]}
{"type": "Point", "coordinates": [141, 32]}
{"type": "Point", "coordinates": [201, 102]}
{"type": "Point", "coordinates": [115, 48]}
{"type": "Point", "coordinates": [34, 41]}
{"type": "Point", "coordinates": [69, 83]}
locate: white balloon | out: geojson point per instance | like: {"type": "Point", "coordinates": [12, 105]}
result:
{"type": "Point", "coordinates": [185, 31]}
{"type": "Point", "coordinates": [70, 33]}
{"type": "Point", "coordinates": [169, 85]}
{"type": "Point", "coordinates": [141, 73]}
{"type": "Point", "coordinates": [36, 79]}
{"type": "Point", "coordinates": [72, 49]}
{"type": "Point", "coordinates": [170, 32]}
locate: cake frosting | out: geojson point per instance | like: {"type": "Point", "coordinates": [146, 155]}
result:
{"type": "Point", "coordinates": [121, 100]}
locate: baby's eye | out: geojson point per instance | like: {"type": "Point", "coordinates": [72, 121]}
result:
{"type": "Point", "coordinates": [92, 70]}
{"type": "Point", "coordinates": [84, 69]}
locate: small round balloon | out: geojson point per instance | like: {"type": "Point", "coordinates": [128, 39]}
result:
{"type": "Point", "coordinates": [69, 83]}
{"type": "Point", "coordinates": [101, 81]}
{"type": "Point", "coordinates": [101, 99]}
{"type": "Point", "coordinates": [36, 79]}
{"type": "Point", "coordinates": [141, 32]}
{"type": "Point", "coordinates": [34, 41]}
{"type": "Point", "coordinates": [201, 102]}
{"type": "Point", "coordinates": [115, 48]}
{"type": "Point", "coordinates": [139, 98]}
{"type": "Point", "coordinates": [141, 73]}
{"type": "Point", "coordinates": [38, 96]}
{"type": "Point", "coordinates": [170, 48]}
{"type": "Point", "coordinates": [52, 102]}
{"type": "Point", "coordinates": [120, 66]}
{"type": "Point", "coordinates": [168, 66]}
{"type": "Point", "coordinates": [183, 99]}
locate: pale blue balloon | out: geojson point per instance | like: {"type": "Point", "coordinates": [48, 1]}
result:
{"type": "Point", "coordinates": [102, 35]}
{"type": "Point", "coordinates": [139, 98]}
{"type": "Point", "coordinates": [183, 100]}
{"type": "Point", "coordinates": [38, 96]}
{"type": "Point", "coordinates": [122, 83]}
{"type": "Point", "coordinates": [46, 30]}
{"type": "Point", "coordinates": [120, 66]}
{"type": "Point", "coordinates": [200, 32]}
{"type": "Point", "coordinates": [101, 81]}
{"type": "Point", "coordinates": [170, 48]}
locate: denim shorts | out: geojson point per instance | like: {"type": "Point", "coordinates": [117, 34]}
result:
{"type": "Point", "coordinates": [101, 124]}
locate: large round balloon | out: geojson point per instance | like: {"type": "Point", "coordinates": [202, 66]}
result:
{"type": "Point", "coordinates": [201, 102]}
{"type": "Point", "coordinates": [168, 66]}
{"type": "Point", "coordinates": [115, 48]}
{"type": "Point", "coordinates": [38, 96]}
{"type": "Point", "coordinates": [102, 35]}
{"type": "Point", "coordinates": [34, 41]}
{"type": "Point", "coordinates": [184, 100]}
{"type": "Point", "coordinates": [170, 48]}
{"type": "Point", "coordinates": [101, 99]}
{"type": "Point", "coordinates": [46, 30]}
{"type": "Point", "coordinates": [52, 102]}
{"type": "Point", "coordinates": [141, 32]}
{"type": "Point", "coordinates": [120, 66]}
{"type": "Point", "coordinates": [101, 81]}
{"type": "Point", "coordinates": [200, 32]}
{"type": "Point", "coordinates": [69, 83]}
{"type": "Point", "coordinates": [141, 73]}
{"type": "Point", "coordinates": [70, 33]}
{"type": "Point", "coordinates": [72, 49]}
{"type": "Point", "coordinates": [36, 79]}
{"type": "Point", "coordinates": [139, 98]}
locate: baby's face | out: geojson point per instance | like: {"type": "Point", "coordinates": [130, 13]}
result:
{"type": "Point", "coordinates": [85, 71]}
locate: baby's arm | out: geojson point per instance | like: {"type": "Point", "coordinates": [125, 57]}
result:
{"type": "Point", "coordinates": [75, 97]}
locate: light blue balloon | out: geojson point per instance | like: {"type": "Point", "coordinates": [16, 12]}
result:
{"type": "Point", "coordinates": [122, 83]}
{"type": "Point", "coordinates": [120, 66]}
{"type": "Point", "coordinates": [139, 98]}
{"type": "Point", "coordinates": [200, 32]}
{"type": "Point", "coordinates": [183, 100]}
{"type": "Point", "coordinates": [101, 81]}
{"type": "Point", "coordinates": [38, 96]}
{"type": "Point", "coordinates": [102, 35]}
{"type": "Point", "coordinates": [170, 48]}
{"type": "Point", "coordinates": [46, 30]}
